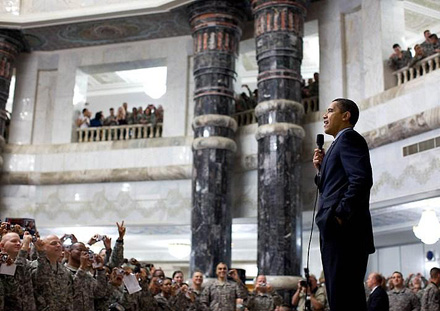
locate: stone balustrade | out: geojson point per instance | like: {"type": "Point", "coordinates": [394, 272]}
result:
{"type": "Point", "coordinates": [245, 117]}
{"type": "Point", "coordinates": [421, 68]}
{"type": "Point", "coordinates": [119, 132]}
{"type": "Point", "coordinates": [311, 104]}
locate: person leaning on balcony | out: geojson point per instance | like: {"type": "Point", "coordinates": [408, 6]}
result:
{"type": "Point", "coordinates": [111, 119]}
{"type": "Point", "coordinates": [83, 120]}
{"type": "Point", "coordinates": [121, 117]}
{"type": "Point", "coordinates": [426, 45]}
{"type": "Point", "coordinates": [420, 54]}
{"type": "Point", "coordinates": [399, 58]}
{"type": "Point", "coordinates": [435, 43]}
{"type": "Point", "coordinates": [98, 120]}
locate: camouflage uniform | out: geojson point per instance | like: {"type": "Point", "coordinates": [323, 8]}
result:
{"type": "Point", "coordinates": [19, 292]}
{"type": "Point", "coordinates": [53, 285]}
{"type": "Point", "coordinates": [398, 63]}
{"type": "Point", "coordinates": [2, 296]}
{"type": "Point", "coordinates": [86, 289]}
{"type": "Point", "coordinates": [263, 301]}
{"type": "Point", "coordinates": [419, 294]}
{"type": "Point", "coordinates": [431, 298]}
{"type": "Point", "coordinates": [403, 300]}
{"type": "Point", "coordinates": [167, 304]}
{"type": "Point", "coordinates": [320, 295]}
{"type": "Point", "coordinates": [112, 294]}
{"type": "Point", "coordinates": [139, 301]}
{"type": "Point", "coordinates": [219, 296]}
{"type": "Point", "coordinates": [427, 47]}
{"type": "Point", "coordinates": [117, 255]}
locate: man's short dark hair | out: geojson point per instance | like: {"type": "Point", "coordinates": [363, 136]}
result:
{"type": "Point", "coordinates": [427, 30]}
{"type": "Point", "coordinates": [433, 36]}
{"type": "Point", "coordinates": [434, 272]}
{"type": "Point", "coordinates": [396, 45]}
{"type": "Point", "coordinates": [112, 109]}
{"type": "Point", "coordinates": [84, 110]}
{"type": "Point", "coordinates": [348, 105]}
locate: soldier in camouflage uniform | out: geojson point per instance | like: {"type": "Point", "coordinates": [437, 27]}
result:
{"type": "Point", "coordinates": [264, 297]}
{"type": "Point", "coordinates": [399, 58]}
{"type": "Point", "coordinates": [221, 295]}
{"type": "Point", "coordinates": [431, 295]}
{"type": "Point", "coordinates": [86, 288]}
{"type": "Point", "coordinates": [139, 301]}
{"type": "Point", "coordinates": [18, 289]}
{"type": "Point", "coordinates": [316, 294]}
{"type": "Point", "coordinates": [114, 290]}
{"type": "Point", "coordinates": [400, 297]}
{"type": "Point", "coordinates": [53, 283]}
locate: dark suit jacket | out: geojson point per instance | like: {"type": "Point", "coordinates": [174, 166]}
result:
{"type": "Point", "coordinates": [344, 186]}
{"type": "Point", "coordinates": [378, 300]}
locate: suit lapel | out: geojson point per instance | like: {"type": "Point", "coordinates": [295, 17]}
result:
{"type": "Point", "coordinates": [324, 162]}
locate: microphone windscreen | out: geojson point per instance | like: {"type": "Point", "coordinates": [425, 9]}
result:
{"type": "Point", "coordinates": [320, 140]}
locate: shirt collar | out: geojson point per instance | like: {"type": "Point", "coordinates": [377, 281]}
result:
{"type": "Point", "coordinates": [342, 131]}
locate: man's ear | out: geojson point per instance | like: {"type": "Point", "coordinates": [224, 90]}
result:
{"type": "Point", "coordinates": [346, 116]}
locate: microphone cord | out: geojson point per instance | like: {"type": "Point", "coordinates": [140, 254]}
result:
{"type": "Point", "coordinates": [306, 269]}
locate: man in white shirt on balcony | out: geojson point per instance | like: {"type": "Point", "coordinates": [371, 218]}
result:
{"type": "Point", "coordinates": [83, 120]}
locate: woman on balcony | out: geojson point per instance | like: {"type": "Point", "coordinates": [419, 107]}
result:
{"type": "Point", "coordinates": [420, 54]}
{"type": "Point", "coordinates": [120, 116]}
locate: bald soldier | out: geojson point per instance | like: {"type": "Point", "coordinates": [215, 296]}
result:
{"type": "Point", "coordinates": [18, 289]}
{"type": "Point", "coordinates": [53, 283]}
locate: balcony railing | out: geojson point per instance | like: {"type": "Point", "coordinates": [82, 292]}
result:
{"type": "Point", "coordinates": [423, 67]}
{"type": "Point", "coordinates": [310, 104]}
{"type": "Point", "coordinates": [119, 132]}
{"type": "Point", "coordinates": [245, 117]}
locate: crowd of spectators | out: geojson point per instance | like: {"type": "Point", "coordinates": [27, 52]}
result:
{"type": "Point", "coordinates": [137, 115]}
{"type": "Point", "coordinates": [402, 58]}
{"type": "Point", "coordinates": [63, 274]}
{"type": "Point", "coordinates": [312, 87]}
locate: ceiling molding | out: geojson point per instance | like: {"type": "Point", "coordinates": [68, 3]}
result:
{"type": "Point", "coordinates": [91, 13]}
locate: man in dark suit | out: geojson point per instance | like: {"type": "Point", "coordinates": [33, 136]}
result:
{"type": "Point", "coordinates": [344, 180]}
{"type": "Point", "coordinates": [378, 299]}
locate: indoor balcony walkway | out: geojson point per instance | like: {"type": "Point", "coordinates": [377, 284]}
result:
{"type": "Point", "coordinates": [423, 67]}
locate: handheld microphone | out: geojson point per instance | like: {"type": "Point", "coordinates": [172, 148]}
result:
{"type": "Point", "coordinates": [320, 141]}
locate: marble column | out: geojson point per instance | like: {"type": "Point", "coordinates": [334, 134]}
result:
{"type": "Point", "coordinates": [11, 44]}
{"type": "Point", "coordinates": [216, 31]}
{"type": "Point", "coordinates": [279, 26]}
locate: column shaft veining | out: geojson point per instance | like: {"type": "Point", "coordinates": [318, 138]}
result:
{"type": "Point", "coordinates": [216, 31]}
{"type": "Point", "coordinates": [11, 44]}
{"type": "Point", "coordinates": [278, 33]}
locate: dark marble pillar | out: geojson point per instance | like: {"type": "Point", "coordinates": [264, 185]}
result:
{"type": "Point", "coordinates": [11, 44]}
{"type": "Point", "coordinates": [278, 34]}
{"type": "Point", "coordinates": [216, 30]}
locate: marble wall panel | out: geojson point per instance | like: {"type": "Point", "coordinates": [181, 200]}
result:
{"type": "Point", "coordinates": [73, 161]}
{"type": "Point", "coordinates": [415, 97]}
{"type": "Point", "coordinates": [370, 53]}
{"type": "Point", "coordinates": [24, 99]}
{"type": "Point", "coordinates": [353, 55]}
{"type": "Point", "coordinates": [397, 177]}
{"type": "Point", "coordinates": [155, 202]}
{"type": "Point", "coordinates": [44, 107]}
{"type": "Point", "coordinates": [245, 194]}
{"type": "Point", "coordinates": [331, 63]}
